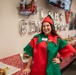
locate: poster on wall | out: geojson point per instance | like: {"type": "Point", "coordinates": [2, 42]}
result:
{"type": "Point", "coordinates": [28, 7]}
{"type": "Point", "coordinates": [72, 23]}
{"type": "Point", "coordinates": [67, 15]}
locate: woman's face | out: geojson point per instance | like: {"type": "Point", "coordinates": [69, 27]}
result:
{"type": "Point", "coordinates": [46, 27]}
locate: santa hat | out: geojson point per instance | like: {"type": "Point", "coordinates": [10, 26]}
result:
{"type": "Point", "coordinates": [48, 19]}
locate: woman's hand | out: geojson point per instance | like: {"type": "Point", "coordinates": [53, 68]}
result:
{"type": "Point", "coordinates": [26, 71]}
{"type": "Point", "coordinates": [56, 60]}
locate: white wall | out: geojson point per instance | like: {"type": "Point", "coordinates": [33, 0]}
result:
{"type": "Point", "coordinates": [10, 40]}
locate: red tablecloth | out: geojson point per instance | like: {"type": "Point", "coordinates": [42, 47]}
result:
{"type": "Point", "coordinates": [16, 61]}
{"type": "Point", "coordinates": [66, 62]}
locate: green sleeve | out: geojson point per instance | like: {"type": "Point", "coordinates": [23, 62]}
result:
{"type": "Point", "coordinates": [28, 50]}
{"type": "Point", "coordinates": [62, 43]}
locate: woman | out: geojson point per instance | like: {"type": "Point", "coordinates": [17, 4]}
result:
{"type": "Point", "coordinates": [43, 49]}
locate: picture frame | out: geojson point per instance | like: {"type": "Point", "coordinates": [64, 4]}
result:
{"type": "Point", "coordinates": [72, 22]}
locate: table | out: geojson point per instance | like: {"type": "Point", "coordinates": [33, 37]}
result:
{"type": "Point", "coordinates": [16, 61]}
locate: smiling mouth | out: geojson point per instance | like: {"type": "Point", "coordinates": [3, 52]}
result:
{"type": "Point", "coordinates": [46, 30]}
